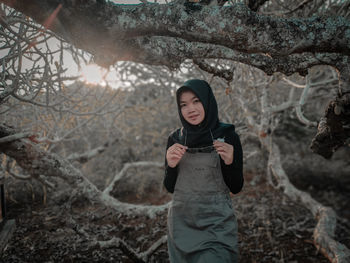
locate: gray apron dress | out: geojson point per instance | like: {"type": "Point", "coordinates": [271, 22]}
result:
{"type": "Point", "coordinates": [202, 226]}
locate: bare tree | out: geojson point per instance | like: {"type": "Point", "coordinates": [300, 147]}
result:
{"type": "Point", "coordinates": [210, 33]}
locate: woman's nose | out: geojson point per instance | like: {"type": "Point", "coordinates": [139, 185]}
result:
{"type": "Point", "coordinates": [190, 108]}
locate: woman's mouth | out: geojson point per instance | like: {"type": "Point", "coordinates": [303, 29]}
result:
{"type": "Point", "coordinates": [193, 117]}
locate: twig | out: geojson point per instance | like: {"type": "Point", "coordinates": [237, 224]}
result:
{"type": "Point", "coordinates": [125, 168]}
{"type": "Point", "coordinates": [153, 248]}
{"type": "Point", "coordinates": [14, 137]}
{"type": "Point", "coordinates": [130, 252]}
{"type": "Point", "coordinates": [301, 103]}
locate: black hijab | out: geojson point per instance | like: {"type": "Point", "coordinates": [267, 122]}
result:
{"type": "Point", "coordinates": [210, 128]}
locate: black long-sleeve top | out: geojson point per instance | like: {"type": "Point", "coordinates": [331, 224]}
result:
{"type": "Point", "coordinates": [233, 173]}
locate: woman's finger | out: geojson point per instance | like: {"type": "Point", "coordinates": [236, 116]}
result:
{"type": "Point", "coordinates": [227, 148]}
{"type": "Point", "coordinates": [179, 151]}
{"type": "Point", "coordinates": [175, 156]}
{"type": "Point", "coordinates": [180, 146]}
{"type": "Point", "coordinates": [223, 154]}
{"type": "Point", "coordinates": [221, 151]}
{"type": "Point", "coordinates": [219, 143]}
{"type": "Point", "coordinates": [222, 148]}
{"type": "Point", "coordinates": [176, 152]}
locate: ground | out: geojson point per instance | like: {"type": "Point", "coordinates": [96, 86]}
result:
{"type": "Point", "coordinates": [272, 228]}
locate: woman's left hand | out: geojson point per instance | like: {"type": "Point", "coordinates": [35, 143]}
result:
{"type": "Point", "coordinates": [225, 151]}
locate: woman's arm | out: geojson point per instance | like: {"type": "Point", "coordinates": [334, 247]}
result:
{"type": "Point", "coordinates": [170, 173]}
{"type": "Point", "coordinates": [233, 173]}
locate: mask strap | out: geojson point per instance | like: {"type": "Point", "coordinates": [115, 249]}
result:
{"type": "Point", "coordinates": [212, 137]}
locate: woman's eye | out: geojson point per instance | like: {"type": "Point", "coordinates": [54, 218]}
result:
{"type": "Point", "coordinates": [182, 105]}
{"type": "Point", "coordinates": [196, 100]}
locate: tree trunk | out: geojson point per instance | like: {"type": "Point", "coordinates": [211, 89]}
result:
{"type": "Point", "coordinates": [38, 162]}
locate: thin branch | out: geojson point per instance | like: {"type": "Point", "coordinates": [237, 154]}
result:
{"type": "Point", "coordinates": [125, 168]}
{"type": "Point", "coordinates": [293, 84]}
{"type": "Point", "coordinates": [146, 255]}
{"type": "Point", "coordinates": [86, 156]}
{"type": "Point", "coordinates": [119, 243]}
{"type": "Point", "coordinates": [142, 257]}
{"type": "Point", "coordinates": [14, 137]}
{"type": "Point", "coordinates": [301, 103]}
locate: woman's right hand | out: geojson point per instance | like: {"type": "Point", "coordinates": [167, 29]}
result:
{"type": "Point", "coordinates": [174, 154]}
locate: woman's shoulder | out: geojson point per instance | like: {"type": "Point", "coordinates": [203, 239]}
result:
{"type": "Point", "coordinates": [227, 128]}
{"type": "Point", "coordinates": [175, 132]}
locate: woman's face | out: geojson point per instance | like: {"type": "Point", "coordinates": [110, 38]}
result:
{"type": "Point", "coordinates": [191, 108]}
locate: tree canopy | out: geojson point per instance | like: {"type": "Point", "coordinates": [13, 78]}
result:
{"type": "Point", "coordinates": [168, 34]}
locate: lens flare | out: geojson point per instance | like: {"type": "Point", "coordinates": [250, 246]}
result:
{"type": "Point", "coordinates": [93, 74]}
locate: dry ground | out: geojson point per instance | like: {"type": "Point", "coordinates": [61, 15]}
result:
{"type": "Point", "coordinates": [272, 228]}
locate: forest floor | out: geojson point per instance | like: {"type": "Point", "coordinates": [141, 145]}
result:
{"type": "Point", "coordinates": [272, 228]}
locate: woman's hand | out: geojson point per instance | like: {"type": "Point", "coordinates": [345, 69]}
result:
{"type": "Point", "coordinates": [225, 151]}
{"type": "Point", "coordinates": [174, 154]}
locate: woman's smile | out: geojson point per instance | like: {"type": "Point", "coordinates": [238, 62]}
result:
{"type": "Point", "coordinates": [193, 117]}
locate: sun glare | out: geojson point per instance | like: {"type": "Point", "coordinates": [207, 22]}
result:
{"type": "Point", "coordinates": [93, 74]}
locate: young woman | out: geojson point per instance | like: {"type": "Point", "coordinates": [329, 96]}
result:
{"type": "Point", "coordinates": [203, 164]}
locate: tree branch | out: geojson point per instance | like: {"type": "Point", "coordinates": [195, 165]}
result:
{"type": "Point", "coordinates": [36, 162]}
{"type": "Point", "coordinates": [301, 103]}
{"type": "Point", "coordinates": [222, 73]}
{"type": "Point", "coordinates": [103, 28]}
{"type": "Point", "coordinates": [14, 137]}
{"type": "Point", "coordinates": [172, 52]}
{"type": "Point", "coordinates": [88, 155]}
{"type": "Point", "coordinates": [125, 168]}
{"type": "Point", "coordinates": [142, 257]}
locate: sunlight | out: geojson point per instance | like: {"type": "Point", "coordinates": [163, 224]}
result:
{"type": "Point", "coordinates": [93, 74]}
